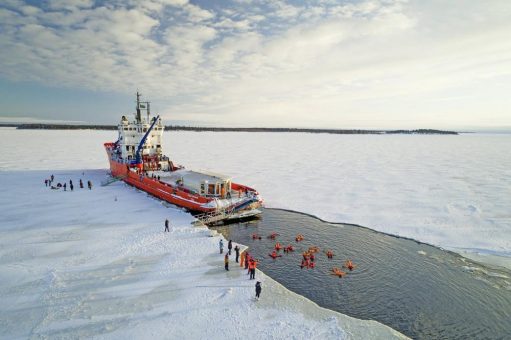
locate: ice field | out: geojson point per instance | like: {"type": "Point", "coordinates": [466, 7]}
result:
{"type": "Point", "coordinates": [97, 263]}
{"type": "Point", "coordinates": [449, 191]}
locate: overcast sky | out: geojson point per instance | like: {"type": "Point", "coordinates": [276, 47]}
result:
{"type": "Point", "coordinates": [323, 63]}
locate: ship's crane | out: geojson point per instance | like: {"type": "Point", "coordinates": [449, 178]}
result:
{"type": "Point", "coordinates": [138, 155]}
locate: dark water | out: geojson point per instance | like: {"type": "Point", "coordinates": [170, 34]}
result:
{"type": "Point", "coordinates": [419, 290]}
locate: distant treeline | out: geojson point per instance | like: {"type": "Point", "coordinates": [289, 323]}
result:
{"type": "Point", "coordinates": [226, 129]}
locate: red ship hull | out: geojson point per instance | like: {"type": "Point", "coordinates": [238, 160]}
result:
{"type": "Point", "coordinates": [164, 191]}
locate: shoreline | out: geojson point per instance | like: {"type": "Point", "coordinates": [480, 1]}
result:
{"type": "Point", "coordinates": [42, 126]}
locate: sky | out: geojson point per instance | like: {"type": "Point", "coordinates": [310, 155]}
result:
{"type": "Point", "coordinates": [317, 64]}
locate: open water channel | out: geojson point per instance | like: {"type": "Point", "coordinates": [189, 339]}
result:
{"type": "Point", "coordinates": [420, 290]}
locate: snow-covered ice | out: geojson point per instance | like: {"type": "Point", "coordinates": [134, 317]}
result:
{"type": "Point", "coordinates": [449, 191]}
{"type": "Point", "coordinates": [97, 263]}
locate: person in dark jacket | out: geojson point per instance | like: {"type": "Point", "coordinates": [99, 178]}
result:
{"type": "Point", "coordinates": [258, 288]}
{"type": "Point", "coordinates": [167, 225]}
{"type": "Point", "coordinates": [226, 261]}
{"type": "Point", "coordinates": [89, 184]}
{"type": "Point", "coordinates": [81, 184]}
{"type": "Point", "coordinates": [237, 251]}
{"type": "Point", "coordinates": [229, 246]}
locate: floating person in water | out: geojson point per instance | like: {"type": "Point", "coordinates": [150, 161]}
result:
{"type": "Point", "coordinates": [329, 254]}
{"type": "Point", "coordinates": [273, 236]}
{"type": "Point", "coordinates": [313, 249]}
{"type": "Point", "coordinates": [304, 263]}
{"type": "Point", "coordinates": [338, 272]}
{"type": "Point", "coordinates": [299, 238]}
{"type": "Point", "coordinates": [348, 264]}
{"type": "Point", "coordinates": [305, 255]}
{"type": "Point", "coordinates": [274, 255]}
{"type": "Point", "coordinates": [256, 237]}
{"type": "Point", "coordinates": [258, 289]}
{"type": "Point", "coordinates": [278, 246]}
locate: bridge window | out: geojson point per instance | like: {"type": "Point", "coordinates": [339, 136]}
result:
{"type": "Point", "coordinates": [211, 189]}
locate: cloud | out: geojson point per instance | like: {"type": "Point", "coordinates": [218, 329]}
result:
{"type": "Point", "coordinates": [321, 63]}
{"type": "Point", "coordinates": [70, 4]}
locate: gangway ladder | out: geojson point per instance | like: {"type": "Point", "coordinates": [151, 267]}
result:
{"type": "Point", "coordinates": [111, 180]}
{"type": "Point", "coordinates": [215, 216]}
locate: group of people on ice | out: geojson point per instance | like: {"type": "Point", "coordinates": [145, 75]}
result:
{"type": "Point", "coordinates": [49, 183]}
{"type": "Point", "coordinates": [244, 259]}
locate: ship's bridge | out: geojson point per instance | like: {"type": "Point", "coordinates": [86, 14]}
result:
{"type": "Point", "coordinates": [131, 133]}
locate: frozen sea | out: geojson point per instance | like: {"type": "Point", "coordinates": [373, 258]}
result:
{"type": "Point", "coordinates": [97, 264]}
{"type": "Point", "coordinates": [449, 191]}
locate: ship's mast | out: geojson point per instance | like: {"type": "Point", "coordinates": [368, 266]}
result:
{"type": "Point", "coordinates": [144, 106]}
{"type": "Point", "coordinates": [138, 108]}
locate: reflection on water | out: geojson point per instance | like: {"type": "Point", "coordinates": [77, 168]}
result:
{"type": "Point", "coordinates": [419, 290]}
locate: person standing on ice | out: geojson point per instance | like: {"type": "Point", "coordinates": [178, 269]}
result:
{"type": "Point", "coordinates": [247, 260]}
{"type": "Point", "coordinates": [167, 225]}
{"type": "Point", "coordinates": [258, 288]}
{"type": "Point", "coordinates": [229, 246]}
{"type": "Point", "coordinates": [242, 261]}
{"type": "Point", "coordinates": [81, 184]}
{"type": "Point", "coordinates": [237, 251]}
{"type": "Point", "coordinates": [89, 184]}
{"type": "Point", "coordinates": [64, 186]}
{"type": "Point", "coordinates": [46, 182]}
{"type": "Point", "coordinates": [252, 267]}
{"type": "Point", "coordinates": [51, 179]}
{"type": "Point", "coordinates": [221, 245]}
{"type": "Point", "coordinates": [226, 261]}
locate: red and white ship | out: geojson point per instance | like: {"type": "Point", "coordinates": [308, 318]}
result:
{"type": "Point", "coordinates": [137, 159]}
